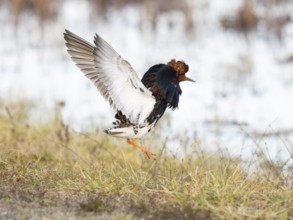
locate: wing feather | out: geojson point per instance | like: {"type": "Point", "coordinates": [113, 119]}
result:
{"type": "Point", "coordinates": [112, 75]}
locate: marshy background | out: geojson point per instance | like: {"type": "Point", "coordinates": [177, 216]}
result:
{"type": "Point", "coordinates": [240, 52]}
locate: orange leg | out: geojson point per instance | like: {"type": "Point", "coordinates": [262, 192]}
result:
{"type": "Point", "coordinates": [143, 149]}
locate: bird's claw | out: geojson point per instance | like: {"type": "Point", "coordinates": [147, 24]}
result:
{"type": "Point", "coordinates": [149, 154]}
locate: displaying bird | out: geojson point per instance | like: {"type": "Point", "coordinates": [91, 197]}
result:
{"type": "Point", "coordinates": [139, 104]}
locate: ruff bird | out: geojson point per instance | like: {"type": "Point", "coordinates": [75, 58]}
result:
{"type": "Point", "coordinates": [139, 104]}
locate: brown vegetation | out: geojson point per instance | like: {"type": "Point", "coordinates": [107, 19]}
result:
{"type": "Point", "coordinates": [44, 9]}
{"type": "Point", "coordinates": [49, 171]}
{"type": "Point", "coordinates": [247, 19]}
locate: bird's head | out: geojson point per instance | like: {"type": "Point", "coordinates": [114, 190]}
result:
{"type": "Point", "coordinates": [181, 69]}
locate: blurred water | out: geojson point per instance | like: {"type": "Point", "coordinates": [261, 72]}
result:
{"type": "Point", "coordinates": [240, 103]}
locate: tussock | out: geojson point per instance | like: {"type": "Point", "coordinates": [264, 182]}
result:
{"type": "Point", "coordinates": [49, 170]}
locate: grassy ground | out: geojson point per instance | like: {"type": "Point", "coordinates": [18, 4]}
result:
{"type": "Point", "coordinates": [48, 171]}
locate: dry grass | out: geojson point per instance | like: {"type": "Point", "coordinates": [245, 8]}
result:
{"type": "Point", "coordinates": [42, 9]}
{"type": "Point", "coordinates": [150, 11]}
{"type": "Point", "coordinates": [245, 19]}
{"type": "Point", "coordinates": [49, 171]}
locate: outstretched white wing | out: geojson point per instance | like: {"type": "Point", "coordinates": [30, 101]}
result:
{"type": "Point", "coordinates": [113, 76]}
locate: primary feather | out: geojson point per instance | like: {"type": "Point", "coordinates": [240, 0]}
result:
{"type": "Point", "coordinates": [113, 76]}
{"type": "Point", "coordinates": [139, 103]}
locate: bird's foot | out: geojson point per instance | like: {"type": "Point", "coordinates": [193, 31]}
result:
{"type": "Point", "coordinates": [149, 154]}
